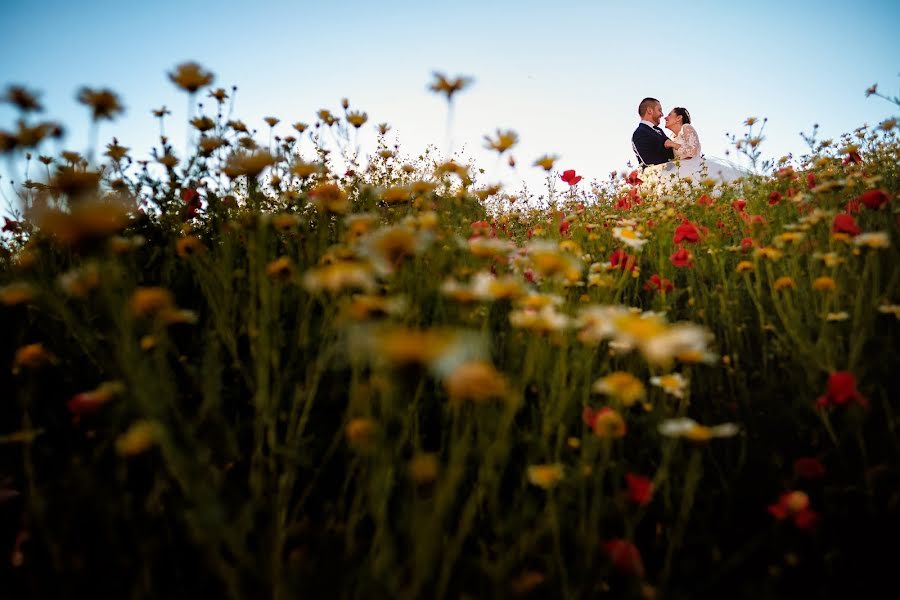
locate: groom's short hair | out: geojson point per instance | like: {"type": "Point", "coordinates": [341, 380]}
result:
{"type": "Point", "coordinates": [645, 105]}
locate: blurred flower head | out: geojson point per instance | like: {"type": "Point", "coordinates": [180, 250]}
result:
{"type": "Point", "coordinates": [190, 77]}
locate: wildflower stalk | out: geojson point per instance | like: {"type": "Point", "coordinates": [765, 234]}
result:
{"type": "Point", "coordinates": [862, 310]}
{"type": "Point", "coordinates": [552, 511]}
{"type": "Point", "coordinates": [486, 481]}
{"type": "Point", "coordinates": [693, 474]}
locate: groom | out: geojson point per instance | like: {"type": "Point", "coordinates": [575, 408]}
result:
{"type": "Point", "coordinates": [649, 141]}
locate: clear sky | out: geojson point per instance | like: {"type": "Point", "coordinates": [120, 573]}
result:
{"type": "Point", "coordinates": [567, 76]}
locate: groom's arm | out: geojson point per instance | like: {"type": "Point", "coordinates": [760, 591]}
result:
{"type": "Point", "coordinates": [650, 146]}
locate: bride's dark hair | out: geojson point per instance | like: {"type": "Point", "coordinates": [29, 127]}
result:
{"type": "Point", "coordinates": [683, 113]}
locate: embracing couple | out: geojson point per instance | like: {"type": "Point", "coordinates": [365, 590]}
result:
{"type": "Point", "coordinates": [656, 152]}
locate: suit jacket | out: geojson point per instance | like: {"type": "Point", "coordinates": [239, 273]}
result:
{"type": "Point", "coordinates": [649, 146]}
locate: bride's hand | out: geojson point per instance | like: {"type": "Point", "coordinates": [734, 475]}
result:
{"type": "Point", "coordinates": [671, 144]}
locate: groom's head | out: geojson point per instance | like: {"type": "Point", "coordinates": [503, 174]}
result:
{"type": "Point", "coordinates": [650, 110]}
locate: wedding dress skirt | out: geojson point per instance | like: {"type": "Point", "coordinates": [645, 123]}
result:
{"type": "Point", "coordinates": [668, 176]}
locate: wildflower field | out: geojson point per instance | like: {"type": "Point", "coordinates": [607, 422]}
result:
{"type": "Point", "coordinates": [250, 371]}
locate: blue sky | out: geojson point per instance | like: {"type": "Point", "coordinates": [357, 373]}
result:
{"type": "Point", "coordinates": [567, 76]}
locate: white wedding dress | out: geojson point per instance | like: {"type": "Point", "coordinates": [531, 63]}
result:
{"type": "Point", "coordinates": [689, 166]}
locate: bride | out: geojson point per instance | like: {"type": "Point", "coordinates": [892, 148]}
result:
{"type": "Point", "coordinates": [689, 163]}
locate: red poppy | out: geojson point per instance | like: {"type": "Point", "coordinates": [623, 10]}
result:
{"type": "Point", "coordinates": [480, 228]}
{"type": "Point", "coordinates": [529, 275]}
{"type": "Point", "coordinates": [191, 198]}
{"type": "Point", "coordinates": [844, 223]}
{"type": "Point", "coordinates": [623, 260]}
{"type": "Point", "coordinates": [747, 244]}
{"type": "Point", "coordinates": [85, 402]}
{"type": "Point", "coordinates": [811, 180]}
{"type": "Point", "coordinates": [841, 389]}
{"type": "Point", "coordinates": [625, 557]}
{"type": "Point", "coordinates": [705, 200]}
{"type": "Point", "coordinates": [687, 232]}
{"type": "Point", "coordinates": [682, 258]}
{"type": "Point", "coordinates": [739, 204]}
{"type": "Point", "coordinates": [794, 505]}
{"type": "Point", "coordinates": [660, 284]}
{"type": "Point", "coordinates": [785, 172]}
{"type": "Point", "coordinates": [806, 519]}
{"type": "Point", "coordinates": [809, 468]}
{"type": "Point", "coordinates": [853, 157]}
{"type": "Point", "coordinates": [873, 198]}
{"type": "Point", "coordinates": [640, 489]}
{"type": "Point", "coordinates": [756, 219]}
{"type": "Point", "coordinates": [188, 194]}
{"type": "Point", "coordinates": [564, 227]}
{"type": "Point", "coordinates": [12, 226]}
{"type": "Point", "coordinates": [569, 177]}
{"type": "Point", "coordinates": [774, 198]}
{"type": "Point", "coordinates": [633, 179]}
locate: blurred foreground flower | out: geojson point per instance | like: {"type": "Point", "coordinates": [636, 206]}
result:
{"type": "Point", "coordinates": [189, 245]}
{"type": "Point", "coordinates": [606, 422]}
{"type": "Point", "coordinates": [873, 239]}
{"type": "Point", "coordinates": [809, 468]}
{"type": "Point", "coordinates": [544, 320]}
{"type": "Point", "coordinates": [388, 247]}
{"type": "Point", "coordinates": [339, 276]}
{"type": "Point", "coordinates": [682, 258]}
{"type": "Point", "coordinates": [104, 103]}
{"type": "Point", "coordinates": [673, 384]}
{"type": "Point", "coordinates": [548, 260]}
{"type": "Point", "coordinates": [629, 236]}
{"type": "Point", "coordinates": [841, 390]}
{"type": "Point", "coordinates": [190, 77]}
{"type": "Point", "coordinates": [475, 381]}
{"type": "Point", "coordinates": [795, 505]}
{"type": "Point", "coordinates": [693, 431]}
{"type": "Point", "coordinates": [22, 98]}
{"type": "Point", "coordinates": [659, 284]}
{"type": "Point", "coordinates": [140, 437]}
{"type": "Point", "coordinates": [485, 287]}
{"type": "Point", "coordinates": [624, 556]}
{"type": "Point", "coordinates": [621, 386]}
{"type": "Point", "coordinates": [361, 434]}
{"type": "Point", "coordinates": [640, 489]}
{"type": "Point", "coordinates": [447, 86]}
{"type": "Point", "coordinates": [32, 356]}
{"type": "Point", "coordinates": [89, 219]}
{"type": "Point", "coordinates": [545, 476]}
{"type": "Point", "coordinates": [250, 164]}
{"type": "Point", "coordinates": [424, 468]}
{"type": "Point", "coordinates": [367, 306]}
{"type": "Point", "coordinates": [91, 401]}
{"type": "Point", "coordinates": [503, 141]}
{"type": "Point", "coordinates": [158, 304]}
{"type": "Point", "coordinates": [546, 161]}
{"type": "Point", "coordinates": [16, 293]}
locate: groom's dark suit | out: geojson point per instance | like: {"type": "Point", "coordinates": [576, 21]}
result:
{"type": "Point", "coordinates": [649, 145]}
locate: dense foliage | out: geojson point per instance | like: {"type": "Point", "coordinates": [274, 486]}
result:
{"type": "Point", "coordinates": [253, 373]}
